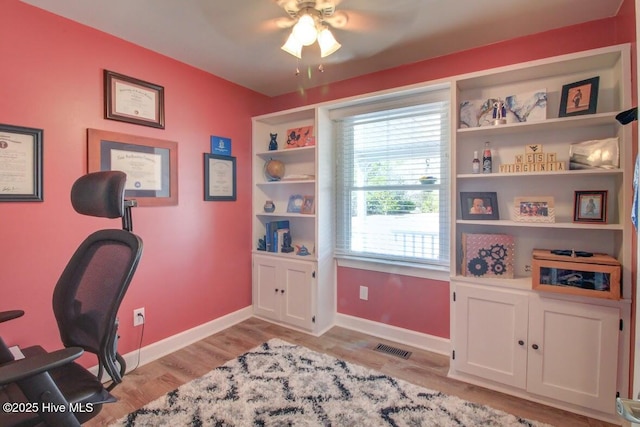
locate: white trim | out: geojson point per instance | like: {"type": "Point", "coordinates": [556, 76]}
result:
{"type": "Point", "coordinates": [174, 343]}
{"type": "Point", "coordinates": [393, 333]}
{"type": "Point", "coordinates": [395, 268]}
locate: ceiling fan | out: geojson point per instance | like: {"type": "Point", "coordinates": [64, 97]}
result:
{"type": "Point", "coordinates": [311, 21]}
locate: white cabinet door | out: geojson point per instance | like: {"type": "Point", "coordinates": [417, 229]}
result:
{"type": "Point", "coordinates": [573, 352]}
{"type": "Point", "coordinates": [296, 290]}
{"type": "Point", "coordinates": [283, 290]}
{"type": "Point", "coordinates": [266, 296]}
{"type": "Point", "coordinates": [491, 334]}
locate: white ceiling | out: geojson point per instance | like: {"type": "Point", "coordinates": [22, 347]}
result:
{"type": "Point", "coordinates": [239, 40]}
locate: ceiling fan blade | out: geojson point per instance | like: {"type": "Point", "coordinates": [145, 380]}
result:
{"type": "Point", "coordinates": [338, 20]}
{"type": "Point", "coordinates": [284, 22]}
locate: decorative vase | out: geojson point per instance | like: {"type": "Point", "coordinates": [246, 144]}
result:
{"type": "Point", "coordinates": [269, 206]}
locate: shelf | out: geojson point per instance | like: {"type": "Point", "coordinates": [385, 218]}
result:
{"type": "Point", "coordinates": [287, 181]}
{"type": "Point", "coordinates": [556, 174]}
{"type": "Point", "coordinates": [542, 125]}
{"type": "Point", "coordinates": [291, 255]}
{"type": "Point", "coordinates": [515, 283]}
{"type": "Point", "coordinates": [571, 225]}
{"type": "Point", "coordinates": [286, 152]}
{"type": "Point", "coordinates": [285, 214]}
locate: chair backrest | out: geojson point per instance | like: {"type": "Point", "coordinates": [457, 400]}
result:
{"type": "Point", "coordinates": [90, 290]}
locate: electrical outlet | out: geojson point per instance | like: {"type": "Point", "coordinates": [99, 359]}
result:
{"type": "Point", "coordinates": [364, 293]}
{"type": "Point", "coordinates": [138, 316]}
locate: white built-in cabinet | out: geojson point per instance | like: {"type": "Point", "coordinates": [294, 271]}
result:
{"type": "Point", "coordinates": [565, 351]}
{"type": "Point", "coordinates": [551, 348]}
{"type": "Point", "coordinates": [288, 288]}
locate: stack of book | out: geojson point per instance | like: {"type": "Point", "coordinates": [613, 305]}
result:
{"type": "Point", "coordinates": [274, 236]}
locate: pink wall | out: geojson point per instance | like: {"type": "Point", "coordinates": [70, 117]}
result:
{"type": "Point", "coordinates": [196, 264]}
{"type": "Point", "coordinates": [419, 304]}
{"type": "Point", "coordinates": [407, 302]}
{"type": "Point", "coordinates": [196, 261]}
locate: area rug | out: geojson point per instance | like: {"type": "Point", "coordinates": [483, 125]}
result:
{"type": "Point", "coordinates": [282, 384]}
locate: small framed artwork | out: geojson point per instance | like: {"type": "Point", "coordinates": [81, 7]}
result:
{"type": "Point", "coordinates": [219, 177]}
{"type": "Point", "coordinates": [579, 97]}
{"type": "Point", "coordinates": [300, 137]}
{"type": "Point", "coordinates": [134, 101]}
{"type": "Point", "coordinates": [590, 206]}
{"type": "Point", "coordinates": [20, 164]}
{"type": "Point", "coordinates": [308, 205]}
{"type": "Point", "coordinates": [534, 209]}
{"type": "Point", "coordinates": [479, 205]}
{"type": "Point", "coordinates": [295, 203]}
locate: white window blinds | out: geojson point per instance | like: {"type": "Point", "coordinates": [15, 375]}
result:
{"type": "Point", "coordinates": [393, 182]}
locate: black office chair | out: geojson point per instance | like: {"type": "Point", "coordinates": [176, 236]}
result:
{"type": "Point", "coordinates": [85, 303]}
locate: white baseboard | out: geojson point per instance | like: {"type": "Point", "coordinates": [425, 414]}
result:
{"type": "Point", "coordinates": [173, 343]}
{"type": "Point", "coordinates": [394, 333]}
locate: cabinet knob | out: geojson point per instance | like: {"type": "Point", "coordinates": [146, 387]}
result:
{"type": "Point", "coordinates": [277, 290]}
{"type": "Point", "coordinates": [535, 346]}
{"type": "Point", "coordinates": [521, 342]}
{"type": "Point", "coordinates": [282, 291]}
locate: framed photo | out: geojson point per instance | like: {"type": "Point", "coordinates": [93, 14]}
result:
{"type": "Point", "coordinates": [579, 98]}
{"type": "Point", "coordinates": [151, 165]}
{"type": "Point", "coordinates": [295, 203]}
{"type": "Point", "coordinates": [590, 206]}
{"type": "Point", "coordinates": [479, 205]}
{"type": "Point", "coordinates": [134, 101]}
{"type": "Point", "coordinates": [219, 177]}
{"type": "Point", "coordinates": [20, 164]}
{"type": "Point", "coordinates": [308, 205]}
{"type": "Point", "coordinates": [534, 209]}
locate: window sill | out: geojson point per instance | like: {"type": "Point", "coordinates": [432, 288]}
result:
{"type": "Point", "coordinates": [405, 269]}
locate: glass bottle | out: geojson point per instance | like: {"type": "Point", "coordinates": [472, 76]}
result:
{"type": "Point", "coordinates": [486, 158]}
{"type": "Point", "coordinates": [475, 165]}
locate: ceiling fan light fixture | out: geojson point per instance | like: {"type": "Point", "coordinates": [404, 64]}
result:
{"type": "Point", "coordinates": [293, 46]}
{"type": "Point", "coordinates": [305, 30]}
{"type": "Point", "coordinates": [328, 43]}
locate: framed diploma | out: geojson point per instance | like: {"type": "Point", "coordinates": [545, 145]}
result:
{"type": "Point", "coordinates": [219, 177]}
{"type": "Point", "coordinates": [151, 165]}
{"type": "Point", "coordinates": [20, 164]}
{"type": "Point", "coordinates": [134, 101]}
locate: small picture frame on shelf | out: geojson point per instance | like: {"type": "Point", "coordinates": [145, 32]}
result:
{"type": "Point", "coordinates": [308, 205]}
{"type": "Point", "coordinates": [590, 206]}
{"type": "Point", "coordinates": [534, 209]}
{"type": "Point", "coordinates": [295, 203]}
{"type": "Point", "coordinates": [579, 97]}
{"type": "Point", "coordinates": [479, 205]}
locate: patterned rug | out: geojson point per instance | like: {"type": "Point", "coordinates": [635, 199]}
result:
{"type": "Point", "coordinates": [281, 384]}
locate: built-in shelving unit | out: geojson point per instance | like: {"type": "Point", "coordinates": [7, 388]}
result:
{"type": "Point", "coordinates": [291, 288]}
{"type": "Point", "coordinates": [488, 301]}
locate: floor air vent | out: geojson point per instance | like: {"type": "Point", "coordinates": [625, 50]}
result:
{"type": "Point", "coordinates": [382, 348]}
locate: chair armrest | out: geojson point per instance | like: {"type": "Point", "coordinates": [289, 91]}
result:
{"type": "Point", "coordinates": [9, 315]}
{"type": "Point", "coordinates": [25, 368]}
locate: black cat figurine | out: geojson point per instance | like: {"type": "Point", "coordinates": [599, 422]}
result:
{"type": "Point", "coordinates": [273, 144]}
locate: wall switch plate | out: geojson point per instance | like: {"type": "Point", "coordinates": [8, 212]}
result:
{"type": "Point", "coordinates": [364, 293]}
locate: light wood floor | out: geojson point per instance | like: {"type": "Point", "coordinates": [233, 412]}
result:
{"type": "Point", "coordinates": [155, 379]}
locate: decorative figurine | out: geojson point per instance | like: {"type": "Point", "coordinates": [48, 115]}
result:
{"type": "Point", "coordinates": [286, 243]}
{"type": "Point", "coordinates": [499, 112]}
{"type": "Point", "coordinates": [262, 244]}
{"type": "Point", "coordinates": [269, 206]}
{"type": "Point", "coordinates": [273, 144]}
{"type": "Point", "coordinates": [302, 250]}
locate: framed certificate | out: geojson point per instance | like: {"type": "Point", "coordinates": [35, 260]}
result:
{"type": "Point", "coordinates": [20, 164]}
{"type": "Point", "coordinates": [134, 101]}
{"type": "Point", "coordinates": [219, 177]}
{"type": "Point", "coordinates": [151, 165]}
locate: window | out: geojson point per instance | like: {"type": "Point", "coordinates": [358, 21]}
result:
{"type": "Point", "coordinates": [392, 175]}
